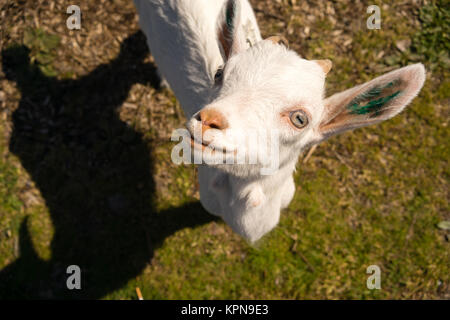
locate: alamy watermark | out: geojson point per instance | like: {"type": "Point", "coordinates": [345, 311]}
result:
{"type": "Point", "coordinates": [374, 20]}
{"type": "Point", "coordinates": [374, 281]}
{"type": "Point", "coordinates": [74, 20]}
{"type": "Point", "coordinates": [74, 280]}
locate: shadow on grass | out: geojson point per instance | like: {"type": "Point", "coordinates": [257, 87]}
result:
{"type": "Point", "coordinates": [95, 174]}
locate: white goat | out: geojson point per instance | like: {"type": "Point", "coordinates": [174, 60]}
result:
{"type": "Point", "coordinates": [228, 79]}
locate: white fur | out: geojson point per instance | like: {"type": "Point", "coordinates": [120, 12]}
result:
{"type": "Point", "coordinates": [262, 81]}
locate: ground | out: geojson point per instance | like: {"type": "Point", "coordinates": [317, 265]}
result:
{"type": "Point", "coordinates": [86, 176]}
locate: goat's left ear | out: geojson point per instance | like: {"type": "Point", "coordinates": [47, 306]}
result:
{"type": "Point", "coordinates": [372, 102]}
{"type": "Point", "coordinates": [229, 32]}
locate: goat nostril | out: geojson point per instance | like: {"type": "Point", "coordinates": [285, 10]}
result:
{"type": "Point", "coordinates": [212, 119]}
{"type": "Point", "coordinates": [198, 117]}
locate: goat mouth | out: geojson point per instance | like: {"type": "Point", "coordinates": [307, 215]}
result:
{"type": "Point", "coordinates": [197, 145]}
{"type": "Point", "coordinates": [202, 146]}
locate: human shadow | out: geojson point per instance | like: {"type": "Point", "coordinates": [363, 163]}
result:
{"type": "Point", "coordinates": [95, 174]}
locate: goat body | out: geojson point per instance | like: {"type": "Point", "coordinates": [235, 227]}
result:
{"type": "Point", "coordinates": [228, 79]}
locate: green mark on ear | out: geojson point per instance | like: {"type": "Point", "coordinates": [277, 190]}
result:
{"type": "Point", "coordinates": [369, 101]}
{"type": "Point", "coordinates": [373, 106]}
{"type": "Point", "coordinates": [230, 14]}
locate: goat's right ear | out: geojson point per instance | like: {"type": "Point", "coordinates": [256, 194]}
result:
{"type": "Point", "coordinates": [229, 32]}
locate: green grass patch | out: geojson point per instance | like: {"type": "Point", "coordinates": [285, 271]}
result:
{"type": "Point", "coordinates": [117, 205]}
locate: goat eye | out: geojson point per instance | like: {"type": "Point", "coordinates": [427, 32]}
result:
{"type": "Point", "coordinates": [219, 74]}
{"type": "Point", "coordinates": [298, 118]}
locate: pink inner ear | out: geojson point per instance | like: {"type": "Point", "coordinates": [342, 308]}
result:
{"type": "Point", "coordinates": [366, 104]}
{"type": "Point", "coordinates": [225, 42]}
{"type": "Point", "coordinates": [372, 102]}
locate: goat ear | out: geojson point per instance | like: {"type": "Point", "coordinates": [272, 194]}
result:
{"type": "Point", "coordinates": [230, 35]}
{"type": "Point", "coordinates": [372, 102]}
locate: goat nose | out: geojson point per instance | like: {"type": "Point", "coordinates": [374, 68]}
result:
{"type": "Point", "coordinates": [212, 119]}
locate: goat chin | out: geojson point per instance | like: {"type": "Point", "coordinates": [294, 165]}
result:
{"type": "Point", "coordinates": [246, 200]}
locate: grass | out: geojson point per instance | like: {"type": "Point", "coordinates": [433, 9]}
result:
{"type": "Point", "coordinates": [93, 184]}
